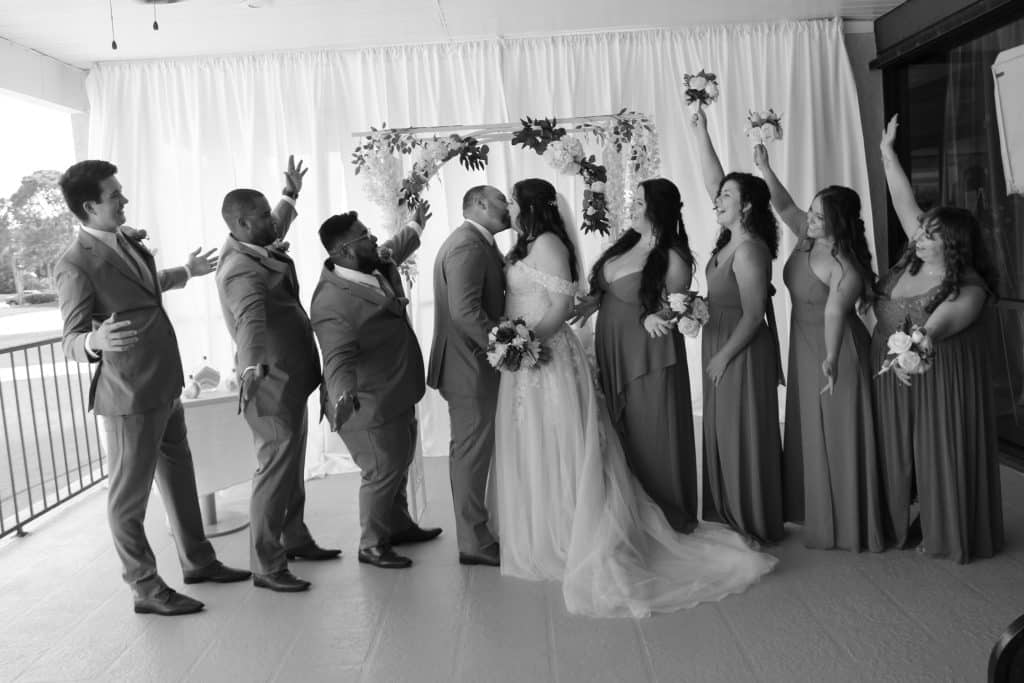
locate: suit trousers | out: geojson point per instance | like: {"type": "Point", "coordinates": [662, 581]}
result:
{"type": "Point", "coordinates": [140, 448]}
{"type": "Point", "coordinates": [383, 454]}
{"type": "Point", "coordinates": [277, 506]}
{"type": "Point", "coordinates": [470, 455]}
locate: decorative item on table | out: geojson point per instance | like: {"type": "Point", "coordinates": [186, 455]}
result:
{"type": "Point", "coordinates": [204, 378]}
{"type": "Point", "coordinates": [763, 126]}
{"type": "Point", "coordinates": [512, 346]}
{"type": "Point", "coordinates": [690, 312]}
{"type": "Point", "coordinates": [910, 350]}
{"type": "Point", "coordinates": [191, 388]}
{"type": "Point", "coordinates": [700, 89]}
{"type": "Point", "coordinates": [231, 381]}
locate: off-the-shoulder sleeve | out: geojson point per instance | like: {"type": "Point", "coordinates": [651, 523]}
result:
{"type": "Point", "coordinates": [553, 284]}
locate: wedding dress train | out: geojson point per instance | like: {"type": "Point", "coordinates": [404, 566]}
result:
{"type": "Point", "coordinates": [569, 509]}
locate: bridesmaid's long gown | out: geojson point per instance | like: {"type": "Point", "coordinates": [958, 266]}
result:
{"type": "Point", "coordinates": [833, 480]}
{"type": "Point", "coordinates": [647, 387]}
{"type": "Point", "coordinates": [940, 435]}
{"type": "Point", "coordinates": [742, 446]}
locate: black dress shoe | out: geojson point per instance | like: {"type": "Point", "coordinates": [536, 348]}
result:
{"type": "Point", "coordinates": [217, 573]}
{"type": "Point", "coordinates": [311, 551]}
{"type": "Point", "coordinates": [383, 557]}
{"type": "Point", "coordinates": [415, 534]}
{"type": "Point", "coordinates": [167, 603]}
{"type": "Point", "coordinates": [282, 581]}
{"type": "Point", "coordinates": [489, 556]}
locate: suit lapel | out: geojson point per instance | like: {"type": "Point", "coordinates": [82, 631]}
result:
{"type": "Point", "coordinates": [108, 255]}
{"type": "Point", "coordinates": [365, 292]}
{"type": "Point", "coordinates": [281, 265]}
{"type": "Point", "coordinates": [146, 257]}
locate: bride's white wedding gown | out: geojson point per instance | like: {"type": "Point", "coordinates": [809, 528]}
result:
{"type": "Point", "coordinates": [568, 507]}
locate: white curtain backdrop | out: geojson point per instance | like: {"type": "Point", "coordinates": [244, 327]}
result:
{"type": "Point", "coordinates": [184, 132]}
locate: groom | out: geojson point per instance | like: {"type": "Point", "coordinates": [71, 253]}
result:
{"type": "Point", "coordinates": [469, 298]}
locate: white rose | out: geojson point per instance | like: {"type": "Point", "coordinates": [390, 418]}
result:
{"type": "Point", "coordinates": [677, 302]}
{"type": "Point", "coordinates": [712, 90]}
{"type": "Point", "coordinates": [764, 114]}
{"type": "Point", "coordinates": [755, 134]}
{"type": "Point", "coordinates": [916, 336]}
{"type": "Point", "coordinates": [597, 187]}
{"type": "Point", "coordinates": [688, 326]}
{"type": "Point", "coordinates": [698, 83]}
{"type": "Point", "coordinates": [909, 361]}
{"type": "Point", "coordinates": [768, 131]}
{"type": "Point", "coordinates": [899, 342]}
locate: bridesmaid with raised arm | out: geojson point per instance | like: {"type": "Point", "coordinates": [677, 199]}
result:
{"type": "Point", "coordinates": [830, 460]}
{"type": "Point", "coordinates": [740, 353]}
{"type": "Point", "coordinates": [641, 357]}
{"type": "Point", "coordinates": [937, 430]}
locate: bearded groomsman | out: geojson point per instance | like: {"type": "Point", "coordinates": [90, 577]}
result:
{"type": "Point", "coordinates": [111, 301]}
{"type": "Point", "coordinates": [278, 369]}
{"type": "Point", "coordinates": [373, 371]}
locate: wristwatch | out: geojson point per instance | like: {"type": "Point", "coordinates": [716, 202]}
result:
{"type": "Point", "coordinates": [290, 193]}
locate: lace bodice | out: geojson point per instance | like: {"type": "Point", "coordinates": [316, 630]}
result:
{"type": "Point", "coordinates": [528, 292]}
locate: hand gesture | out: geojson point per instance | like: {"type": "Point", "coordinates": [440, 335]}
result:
{"type": "Point", "coordinates": [251, 379]}
{"type": "Point", "coordinates": [344, 408]}
{"type": "Point", "coordinates": [114, 335]}
{"type": "Point", "coordinates": [585, 307]}
{"type": "Point", "coordinates": [421, 214]}
{"type": "Point", "coordinates": [716, 368]}
{"type": "Point", "coordinates": [889, 134]}
{"type": "Point", "coordinates": [761, 157]}
{"type": "Point", "coordinates": [698, 120]}
{"type": "Point", "coordinates": [293, 176]}
{"type": "Point", "coordinates": [657, 326]}
{"type": "Point", "coordinates": [202, 264]}
{"type": "Point", "coordinates": [902, 375]}
{"type": "Point", "coordinates": [828, 368]}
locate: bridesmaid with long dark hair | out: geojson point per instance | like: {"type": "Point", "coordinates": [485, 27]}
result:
{"type": "Point", "coordinates": [740, 353]}
{"type": "Point", "coordinates": [937, 430]}
{"type": "Point", "coordinates": [641, 357]}
{"type": "Point", "coordinates": [833, 476]}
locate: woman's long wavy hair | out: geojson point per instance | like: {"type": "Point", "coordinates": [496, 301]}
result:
{"type": "Point", "coordinates": [963, 249]}
{"type": "Point", "coordinates": [841, 207]}
{"type": "Point", "coordinates": [759, 219]}
{"type": "Point", "coordinates": [664, 211]}
{"type": "Point", "coordinates": [538, 214]}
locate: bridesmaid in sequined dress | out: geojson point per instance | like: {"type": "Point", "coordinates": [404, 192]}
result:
{"type": "Point", "coordinates": [937, 431]}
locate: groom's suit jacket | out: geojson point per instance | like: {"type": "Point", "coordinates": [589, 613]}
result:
{"type": "Point", "coordinates": [259, 296]}
{"type": "Point", "coordinates": [469, 298]}
{"type": "Point", "coordinates": [368, 344]}
{"type": "Point", "coordinates": [94, 281]}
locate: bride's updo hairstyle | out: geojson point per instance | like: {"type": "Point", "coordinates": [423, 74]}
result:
{"type": "Point", "coordinates": [538, 214]}
{"type": "Point", "coordinates": [664, 211]}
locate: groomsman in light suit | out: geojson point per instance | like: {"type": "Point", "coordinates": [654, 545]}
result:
{"type": "Point", "coordinates": [110, 300]}
{"type": "Point", "coordinates": [373, 371]}
{"type": "Point", "coordinates": [278, 368]}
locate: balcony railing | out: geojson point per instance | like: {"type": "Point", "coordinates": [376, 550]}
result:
{"type": "Point", "coordinates": [50, 440]}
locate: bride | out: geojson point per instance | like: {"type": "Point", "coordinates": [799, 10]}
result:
{"type": "Point", "coordinates": [568, 507]}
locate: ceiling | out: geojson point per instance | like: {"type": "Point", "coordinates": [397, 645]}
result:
{"type": "Point", "coordinates": [79, 32]}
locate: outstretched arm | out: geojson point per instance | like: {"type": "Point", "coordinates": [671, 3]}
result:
{"type": "Point", "coordinates": [710, 166]}
{"type": "Point", "coordinates": [900, 190]}
{"type": "Point", "coordinates": [792, 216]}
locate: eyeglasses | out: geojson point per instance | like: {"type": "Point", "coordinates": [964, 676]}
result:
{"type": "Point", "coordinates": [364, 236]}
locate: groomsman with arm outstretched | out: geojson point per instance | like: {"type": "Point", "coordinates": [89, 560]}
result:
{"type": "Point", "coordinates": [110, 296]}
{"type": "Point", "coordinates": [373, 372]}
{"type": "Point", "coordinates": [278, 368]}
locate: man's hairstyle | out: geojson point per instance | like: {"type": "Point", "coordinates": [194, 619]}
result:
{"type": "Point", "coordinates": [336, 229]}
{"type": "Point", "coordinates": [237, 202]}
{"type": "Point", "coordinates": [81, 184]}
{"type": "Point", "coordinates": [474, 194]}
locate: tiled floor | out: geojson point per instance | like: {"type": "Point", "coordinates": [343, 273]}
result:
{"type": "Point", "coordinates": [821, 616]}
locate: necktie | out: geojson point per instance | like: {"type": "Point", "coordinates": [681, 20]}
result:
{"type": "Point", "coordinates": [385, 286]}
{"type": "Point", "coordinates": [134, 260]}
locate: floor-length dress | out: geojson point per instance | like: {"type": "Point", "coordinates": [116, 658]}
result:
{"type": "Point", "coordinates": [742, 445]}
{"type": "Point", "coordinates": [938, 436]}
{"type": "Point", "coordinates": [647, 388]}
{"type": "Point", "coordinates": [832, 481]}
{"type": "Point", "coordinates": [568, 507]}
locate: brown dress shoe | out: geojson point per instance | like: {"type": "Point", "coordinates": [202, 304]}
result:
{"type": "Point", "coordinates": [311, 551]}
{"type": "Point", "coordinates": [415, 534]}
{"type": "Point", "coordinates": [217, 573]}
{"type": "Point", "coordinates": [384, 557]}
{"type": "Point", "coordinates": [167, 603]}
{"type": "Point", "coordinates": [282, 581]}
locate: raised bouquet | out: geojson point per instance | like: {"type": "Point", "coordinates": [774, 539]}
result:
{"type": "Point", "coordinates": [700, 88]}
{"type": "Point", "coordinates": [690, 311]}
{"type": "Point", "coordinates": [763, 126]}
{"type": "Point", "coordinates": [910, 350]}
{"type": "Point", "coordinates": [512, 346]}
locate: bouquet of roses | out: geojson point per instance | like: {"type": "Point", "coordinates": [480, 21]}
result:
{"type": "Point", "coordinates": [763, 126]}
{"type": "Point", "coordinates": [910, 350]}
{"type": "Point", "coordinates": [691, 312]}
{"type": "Point", "coordinates": [512, 346]}
{"type": "Point", "coordinates": [701, 87]}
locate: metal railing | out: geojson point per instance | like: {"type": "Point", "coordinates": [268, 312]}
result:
{"type": "Point", "coordinates": [50, 440]}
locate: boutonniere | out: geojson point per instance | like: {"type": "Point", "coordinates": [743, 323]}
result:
{"type": "Point", "coordinates": [279, 246]}
{"type": "Point", "coordinates": [135, 235]}
{"type": "Point", "coordinates": [385, 255]}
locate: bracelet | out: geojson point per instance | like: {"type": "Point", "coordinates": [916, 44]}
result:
{"type": "Point", "coordinates": [291, 194]}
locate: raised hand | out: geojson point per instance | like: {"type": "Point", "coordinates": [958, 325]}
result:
{"type": "Point", "coordinates": [202, 264]}
{"type": "Point", "coordinates": [585, 307]}
{"type": "Point", "coordinates": [421, 214]}
{"type": "Point", "coordinates": [251, 379]}
{"type": "Point", "coordinates": [293, 176]}
{"type": "Point", "coordinates": [889, 133]}
{"type": "Point", "coordinates": [761, 157]}
{"type": "Point", "coordinates": [114, 335]}
{"type": "Point", "coordinates": [344, 408]}
{"type": "Point", "coordinates": [698, 120]}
